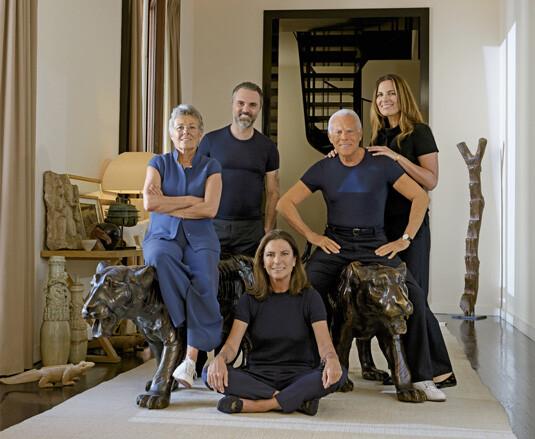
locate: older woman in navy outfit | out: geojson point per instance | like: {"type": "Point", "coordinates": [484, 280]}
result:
{"type": "Point", "coordinates": [182, 192]}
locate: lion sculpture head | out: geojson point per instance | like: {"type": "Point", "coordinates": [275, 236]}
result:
{"type": "Point", "coordinates": [117, 292]}
{"type": "Point", "coordinates": [378, 290]}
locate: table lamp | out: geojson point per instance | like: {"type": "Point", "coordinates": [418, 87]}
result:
{"type": "Point", "coordinates": [125, 176]}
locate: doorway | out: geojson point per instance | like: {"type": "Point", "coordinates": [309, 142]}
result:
{"type": "Point", "coordinates": [339, 54]}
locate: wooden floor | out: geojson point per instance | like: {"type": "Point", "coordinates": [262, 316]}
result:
{"type": "Point", "coordinates": [503, 357]}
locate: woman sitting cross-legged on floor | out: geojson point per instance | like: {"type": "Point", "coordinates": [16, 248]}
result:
{"type": "Point", "coordinates": [287, 322]}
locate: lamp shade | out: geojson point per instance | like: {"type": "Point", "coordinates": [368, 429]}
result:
{"type": "Point", "coordinates": [126, 173]}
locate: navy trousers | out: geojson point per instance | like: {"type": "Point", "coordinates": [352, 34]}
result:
{"type": "Point", "coordinates": [416, 256]}
{"type": "Point", "coordinates": [189, 282]}
{"type": "Point", "coordinates": [323, 272]}
{"type": "Point", "coordinates": [296, 385]}
{"type": "Point", "coordinates": [239, 237]}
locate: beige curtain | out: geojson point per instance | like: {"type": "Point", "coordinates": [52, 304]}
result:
{"type": "Point", "coordinates": [172, 67]}
{"type": "Point", "coordinates": [173, 26]}
{"type": "Point", "coordinates": [135, 125]}
{"type": "Point", "coordinates": [131, 136]}
{"type": "Point", "coordinates": [18, 29]}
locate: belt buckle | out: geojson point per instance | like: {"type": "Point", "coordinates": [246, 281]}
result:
{"type": "Point", "coordinates": [357, 231]}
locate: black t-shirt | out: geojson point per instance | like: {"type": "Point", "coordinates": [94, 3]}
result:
{"type": "Point", "coordinates": [355, 195]}
{"type": "Point", "coordinates": [419, 142]}
{"type": "Point", "coordinates": [281, 328]}
{"type": "Point", "coordinates": [244, 163]}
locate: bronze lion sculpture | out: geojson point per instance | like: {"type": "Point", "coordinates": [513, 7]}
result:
{"type": "Point", "coordinates": [372, 300]}
{"type": "Point", "coordinates": [120, 292]}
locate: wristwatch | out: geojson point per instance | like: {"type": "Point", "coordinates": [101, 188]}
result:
{"type": "Point", "coordinates": [406, 237]}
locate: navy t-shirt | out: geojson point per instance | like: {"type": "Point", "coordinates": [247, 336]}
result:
{"type": "Point", "coordinates": [245, 163]}
{"type": "Point", "coordinates": [419, 142]}
{"type": "Point", "coordinates": [281, 327]}
{"type": "Point", "coordinates": [355, 195]}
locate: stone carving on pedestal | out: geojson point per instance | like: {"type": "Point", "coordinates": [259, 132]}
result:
{"type": "Point", "coordinates": [55, 330]}
{"type": "Point", "coordinates": [63, 221]}
{"type": "Point", "coordinates": [78, 325]}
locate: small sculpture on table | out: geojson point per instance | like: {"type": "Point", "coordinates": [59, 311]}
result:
{"type": "Point", "coordinates": [63, 220]}
{"type": "Point", "coordinates": [107, 235]}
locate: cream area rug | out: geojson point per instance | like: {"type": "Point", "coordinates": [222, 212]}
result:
{"type": "Point", "coordinates": [370, 411]}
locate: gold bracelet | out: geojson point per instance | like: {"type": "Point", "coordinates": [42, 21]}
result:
{"type": "Point", "coordinates": [397, 159]}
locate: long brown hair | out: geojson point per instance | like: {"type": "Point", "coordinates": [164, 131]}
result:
{"type": "Point", "coordinates": [261, 289]}
{"type": "Point", "coordinates": [410, 114]}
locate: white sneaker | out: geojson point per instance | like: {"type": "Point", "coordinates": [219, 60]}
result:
{"type": "Point", "coordinates": [430, 390]}
{"type": "Point", "coordinates": [185, 373]}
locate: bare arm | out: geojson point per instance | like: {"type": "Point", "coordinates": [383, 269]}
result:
{"type": "Point", "coordinates": [209, 205]}
{"type": "Point", "coordinates": [217, 370]}
{"type": "Point", "coordinates": [332, 371]}
{"type": "Point", "coordinates": [287, 206]}
{"type": "Point", "coordinates": [426, 174]}
{"type": "Point", "coordinates": [155, 201]}
{"type": "Point", "coordinates": [272, 197]}
{"type": "Point", "coordinates": [411, 190]}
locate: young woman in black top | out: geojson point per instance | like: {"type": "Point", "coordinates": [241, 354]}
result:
{"type": "Point", "coordinates": [400, 134]}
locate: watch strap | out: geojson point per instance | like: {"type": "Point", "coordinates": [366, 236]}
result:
{"type": "Point", "coordinates": [406, 237]}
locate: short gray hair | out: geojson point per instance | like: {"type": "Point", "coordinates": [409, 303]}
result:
{"type": "Point", "coordinates": [185, 110]}
{"type": "Point", "coordinates": [345, 112]}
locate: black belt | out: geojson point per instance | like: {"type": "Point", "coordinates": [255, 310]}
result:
{"type": "Point", "coordinates": [357, 230]}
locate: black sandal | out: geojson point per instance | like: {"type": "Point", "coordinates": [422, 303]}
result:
{"type": "Point", "coordinates": [230, 404]}
{"type": "Point", "coordinates": [448, 382]}
{"type": "Point", "coordinates": [309, 408]}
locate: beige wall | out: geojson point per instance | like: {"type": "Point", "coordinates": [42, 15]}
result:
{"type": "Point", "coordinates": [77, 108]}
{"type": "Point", "coordinates": [462, 93]}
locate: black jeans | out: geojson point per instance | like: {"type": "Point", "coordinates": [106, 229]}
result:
{"type": "Point", "coordinates": [240, 237]}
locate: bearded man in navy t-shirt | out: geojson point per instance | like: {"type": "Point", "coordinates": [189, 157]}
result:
{"type": "Point", "coordinates": [250, 163]}
{"type": "Point", "coordinates": [355, 186]}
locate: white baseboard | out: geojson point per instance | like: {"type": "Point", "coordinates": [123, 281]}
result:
{"type": "Point", "coordinates": [519, 324]}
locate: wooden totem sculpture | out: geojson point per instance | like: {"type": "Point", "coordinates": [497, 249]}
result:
{"type": "Point", "coordinates": [477, 203]}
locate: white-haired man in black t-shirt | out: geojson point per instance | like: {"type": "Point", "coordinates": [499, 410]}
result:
{"type": "Point", "coordinates": [355, 186]}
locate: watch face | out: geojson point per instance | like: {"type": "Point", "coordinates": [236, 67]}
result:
{"type": "Point", "coordinates": [406, 237]}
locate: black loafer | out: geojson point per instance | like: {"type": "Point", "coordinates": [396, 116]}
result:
{"type": "Point", "coordinates": [309, 408]}
{"type": "Point", "coordinates": [230, 404]}
{"type": "Point", "coordinates": [448, 382]}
